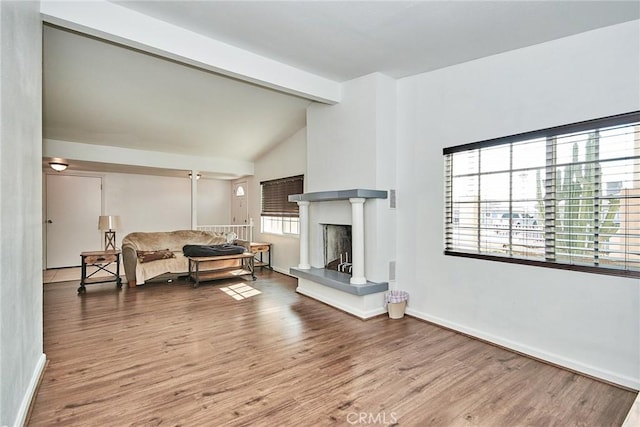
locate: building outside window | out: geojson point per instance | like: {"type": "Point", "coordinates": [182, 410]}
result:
{"type": "Point", "coordinates": [278, 215]}
{"type": "Point", "coordinates": [565, 197]}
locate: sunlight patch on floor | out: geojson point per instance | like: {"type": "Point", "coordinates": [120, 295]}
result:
{"type": "Point", "coordinates": [240, 291]}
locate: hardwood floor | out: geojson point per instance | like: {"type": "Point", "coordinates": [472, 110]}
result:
{"type": "Point", "coordinates": [168, 354]}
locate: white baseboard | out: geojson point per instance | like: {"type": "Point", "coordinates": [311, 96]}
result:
{"type": "Point", "coordinates": [553, 358]}
{"type": "Point", "coordinates": [30, 394]}
{"type": "Point", "coordinates": [281, 271]}
{"type": "Point", "coordinates": [633, 417]}
{"type": "Point", "coordinates": [362, 314]}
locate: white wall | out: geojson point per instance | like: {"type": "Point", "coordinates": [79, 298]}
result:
{"type": "Point", "coordinates": [342, 139]}
{"type": "Point", "coordinates": [21, 351]}
{"type": "Point", "coordinates": [289, 158]}
{"type": "Point", "coordinates": [584, 321]}
{"type": "Point", "coordinates": [214, 201]}
{"type": "Point", "coordinates": [147, 203]}
{"type": "Point", "coordinates": [352, 145]}
{"type": "Point", "coordinates": [160, 203]}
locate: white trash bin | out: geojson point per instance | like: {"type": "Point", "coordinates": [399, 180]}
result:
{"type": "Point", "coordinates": [396, 302]}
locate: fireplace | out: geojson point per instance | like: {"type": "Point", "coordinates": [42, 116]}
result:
{"type": "Point", "coordinates": [345, 240]}
{"type": "Point", "coordinates": [338, 255]}
{"type": "Point", "coordinates": [335, 227]}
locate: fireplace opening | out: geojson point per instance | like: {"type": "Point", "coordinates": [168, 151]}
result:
{"type": "Point", "coordinates": [337, 248]}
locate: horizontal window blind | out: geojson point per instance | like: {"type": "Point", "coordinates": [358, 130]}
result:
{"type": "Point", "coordinates": [562, 197]}
{"type": "Point", "coordinates": [275, 194]}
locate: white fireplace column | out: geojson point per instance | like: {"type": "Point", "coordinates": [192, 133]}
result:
{"type": "Point", "coordinates": [357, 241]}
{"type": "Point", "coordinates": [303, 206]}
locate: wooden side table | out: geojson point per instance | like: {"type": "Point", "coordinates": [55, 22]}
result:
{"type": "Point", "coordinates": [101, 260]}
{"type": "Point", "coordinates": [261, 248]}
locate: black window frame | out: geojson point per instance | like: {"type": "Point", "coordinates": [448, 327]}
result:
{"type": "Point", "coordinates": [552, 184]}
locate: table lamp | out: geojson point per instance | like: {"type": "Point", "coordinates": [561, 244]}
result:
{"type": "Point", "coordinates": [108, 224]}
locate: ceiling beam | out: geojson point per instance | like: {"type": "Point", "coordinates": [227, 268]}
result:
{"type": "Point", "coordinates": [67, 150]}
{"type": "Point", "coordinates": [124, 26]}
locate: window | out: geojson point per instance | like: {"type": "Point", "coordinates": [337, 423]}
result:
{"type": "Point", "coordinates": [566, 197]}
{"type": "Point", "coordinates": [279, 215]}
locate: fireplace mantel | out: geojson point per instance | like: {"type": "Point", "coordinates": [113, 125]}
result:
{"type": "Point", "coordinates": [340, 281]}
{"type": "Point", "coordinates": [357, 197]}
{"type": "Point", "coordinates": [325, 196]}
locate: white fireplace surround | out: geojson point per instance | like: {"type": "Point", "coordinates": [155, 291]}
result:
{"type": "Point", "coordinates": [357, 284]}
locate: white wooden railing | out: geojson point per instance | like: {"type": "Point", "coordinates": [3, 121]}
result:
{"type": "Point", "coordinates": [243, 231]}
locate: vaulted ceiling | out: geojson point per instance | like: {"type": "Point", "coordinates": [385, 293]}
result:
{"type": "Point", "coordinates": [102, 93]}
{"type": "Point", "coordinates": [342, 40]}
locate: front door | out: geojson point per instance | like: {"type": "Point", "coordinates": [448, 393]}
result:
{"type": "Point", "coordinates": [73, 205]}
{"type": "Point", "coordinates": [239, 209]}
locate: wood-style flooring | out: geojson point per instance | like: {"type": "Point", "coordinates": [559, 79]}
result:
{"type": "Point", "coordinates": [73, 273]}
{"type": "Point", "coordinates": [167, 354]}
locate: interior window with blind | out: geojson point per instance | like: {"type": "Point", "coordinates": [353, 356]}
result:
{"type": "Point", "coordinates": [566, 197]}
{"type": "Point", "coordinates": [278, 215]}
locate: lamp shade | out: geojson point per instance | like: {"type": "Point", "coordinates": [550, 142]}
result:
{"type": "Point", "coordinates": [108, 222]}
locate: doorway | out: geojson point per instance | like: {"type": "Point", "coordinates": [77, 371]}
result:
{"type": "Point", "coordinates": [239, 209]}
{"type": "Point", "coordinates": [73, 205]}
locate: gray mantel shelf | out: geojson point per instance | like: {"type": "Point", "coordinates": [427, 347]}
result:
{"type": "Point", "coordinates": [340, 281]}
{"type": "Point", "coordinates": [325, 196]}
